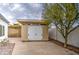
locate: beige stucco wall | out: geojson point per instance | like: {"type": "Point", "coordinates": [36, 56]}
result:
{"type": "Point", "coordinates": [45, 32]}
{"type": "Point", "coordinates": [24, 32]}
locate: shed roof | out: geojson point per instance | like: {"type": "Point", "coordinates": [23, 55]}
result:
{"type": "Point", "coordinates": [30, 21]}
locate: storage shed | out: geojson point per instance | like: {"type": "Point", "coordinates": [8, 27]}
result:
{"type": "Point", "coordinates": [33, 30]}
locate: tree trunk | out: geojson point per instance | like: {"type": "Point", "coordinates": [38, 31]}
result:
{"type": "Point", "coordinates": [65, 43]}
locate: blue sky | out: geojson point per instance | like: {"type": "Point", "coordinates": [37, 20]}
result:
{"type": "Point", "coordinates": [14, 11]}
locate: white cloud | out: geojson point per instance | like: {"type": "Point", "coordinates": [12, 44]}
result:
{"type": "Point", "coordinates": [16, 6]}
{"type": "Point", "coordinates": [14, 11]}
{"type": "Point", "coordinates": [35, 5]}
{"type": "Point", "coordinates": [10, 17]}
{"type": "Point", "coordinates": [4, 4]}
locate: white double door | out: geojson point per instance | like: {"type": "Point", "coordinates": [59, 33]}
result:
{"type": "Point", "coordinates": [35, 32]}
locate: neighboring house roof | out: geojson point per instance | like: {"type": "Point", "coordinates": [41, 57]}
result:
{"type": "Point", "coordinates": [3, 18]}
{"type": "Point", "coordinates": [29, 21]}
{"type": "Point", "coordinates": [15, 26]}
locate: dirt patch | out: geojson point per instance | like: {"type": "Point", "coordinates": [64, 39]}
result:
{"type": "Point", "coordinates": [6, 49]}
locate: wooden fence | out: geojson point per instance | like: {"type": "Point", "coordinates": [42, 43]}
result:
{"type": "Point", "coordinates": [14, 31]}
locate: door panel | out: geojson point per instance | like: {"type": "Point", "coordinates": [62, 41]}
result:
{"type": "Point", "coordinates": [35, 32]}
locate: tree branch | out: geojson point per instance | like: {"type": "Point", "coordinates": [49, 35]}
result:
{"type": "Point", "coordinates": [60, 30]}
{"type": "Point", "coordinates": [73, 29]}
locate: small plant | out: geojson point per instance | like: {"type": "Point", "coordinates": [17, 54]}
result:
{"type": "Point", "coordinates": [4, 42]}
